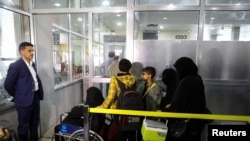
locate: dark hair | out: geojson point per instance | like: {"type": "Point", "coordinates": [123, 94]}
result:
{"type": "Point", "coordinates": [111, 54]}
{"type": "Point", "coordinates": [23, 45]}
{"type": "Point", "coordinates": [124, 65]}
{"type": "Point", "coordinates": [150, 70]}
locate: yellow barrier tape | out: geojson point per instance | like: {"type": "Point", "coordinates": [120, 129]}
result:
{"type": "Point", "coordinates": [171, 114]}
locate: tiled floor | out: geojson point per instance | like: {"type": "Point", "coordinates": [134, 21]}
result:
{"type": "Point", "coordinates": [45, 139]}
{"type": "Point", "coordinates": [48, 135]}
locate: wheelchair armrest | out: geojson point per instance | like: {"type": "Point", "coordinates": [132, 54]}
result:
{"type": "Point", "coordinates": [63, 116]}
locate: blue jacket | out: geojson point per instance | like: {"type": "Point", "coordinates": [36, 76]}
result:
{"type": "Point", "coordinates": [20, 84]}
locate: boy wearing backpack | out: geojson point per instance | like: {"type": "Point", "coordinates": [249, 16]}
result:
{"type": "Point", "coordinates": [114, 91]}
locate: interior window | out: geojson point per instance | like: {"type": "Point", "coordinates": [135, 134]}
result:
{"type": "Point", "coordinates": [165, 25]}
{"type": "Point", "coordinates": [11, 34]}
{"type": "Point", "coordinates": [227, 26]}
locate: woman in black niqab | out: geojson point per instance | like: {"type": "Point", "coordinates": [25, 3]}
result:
{"type": "Point", "coordinates": [184, 67]}
{"type": "Point", "coordinates": [189, 97]}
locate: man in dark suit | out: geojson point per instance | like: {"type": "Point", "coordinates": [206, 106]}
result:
{"type": "Point", "coordinates": [23, 83]}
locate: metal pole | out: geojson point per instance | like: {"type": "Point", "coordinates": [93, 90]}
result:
{"type": "Point", "coordinates": [86, 122]}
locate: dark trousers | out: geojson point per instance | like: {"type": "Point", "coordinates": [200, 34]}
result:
{"type": "Point", "coordinates": [28, 120]}
{"type": "Point", "coordinates": [130, 135]}
{"type": "Point", "coordinates": [186, 137]}
{"type": "Point", "coordinates": [127, 135]}
{"type": "Point", "coordinates": [192, 133]}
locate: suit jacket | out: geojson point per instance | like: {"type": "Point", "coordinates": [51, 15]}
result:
{"type": "Point", "coordinates": [20, 84]}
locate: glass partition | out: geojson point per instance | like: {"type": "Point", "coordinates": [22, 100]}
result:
{"type": "Point", "coordinates": [14, 28]}
{"type": "Point", "coordinates": [227, 26]}
{"type": "Point", "coordinates": [77, 59]}
{"type": "Point", "coordinates": [98, 57]}
{"type": "Point", "coordinates": [61, 56]}
{"type": "Point", "coordinates": [54, 4]}
{"type": "Point", "coordinates": [61, 20]}
{"type": "Point", "coordinates": [70, 47]}
{"type": "Point", "coordinates": [227, 2]}
{"type": "Point", "coordinates": [78, 23]}
{"type": "Point", "coordinates": [103, 3]}
{"type": "Point", "coordinates": [19, 4]}
{"type": "Point", "coordinates": [167, 2]}
{"type": "Point", "coordinates": [166, 25]}
{"type": "Point", "coordinates": [109, 36]}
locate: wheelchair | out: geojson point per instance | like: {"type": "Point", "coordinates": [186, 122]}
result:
{"type": "Point", "coordinates": [68, 132]}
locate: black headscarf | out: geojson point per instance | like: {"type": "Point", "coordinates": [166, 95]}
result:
{"type": "Point", "coordinates": [169, 79]}
{"type": "Point", "coordinates": [184, 67]}
{"type": "Point", "coordinates": [94, 97]}
{"type": "Point", "coordinates": [190, 94]}
{"type": "Point", "coordinates": [189, 97]}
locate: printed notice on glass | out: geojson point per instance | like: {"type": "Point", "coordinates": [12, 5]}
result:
{"type": "Point", "coordinates": [235, 132]}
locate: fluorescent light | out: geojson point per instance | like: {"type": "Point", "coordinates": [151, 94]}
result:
{"type": "Point", "coordinates": [57, 4]}
{"type": "Point", "coordinates": [119, 23]}
{"type": "Point", "coordinates": [105, 3]}
{"type": "Point", "coordinates": [171, 6]}
{"type": "Point", "coordinates": [79, 19]}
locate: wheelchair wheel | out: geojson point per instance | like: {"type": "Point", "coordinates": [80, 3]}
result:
{"type": "Point", "coordinates": [79, 134]}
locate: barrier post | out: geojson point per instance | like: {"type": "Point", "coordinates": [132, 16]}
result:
{"type": "Point", "coordinates": [86, 122]}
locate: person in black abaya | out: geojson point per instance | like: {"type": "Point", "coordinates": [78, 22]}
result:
{"type": "Point", "coordinates": [189, 97]}
{"type": "Point", "coordinates": [75, 116]}
{"type": "Point", "coordinates": [95, 98]}
{"type": "Point", "coordinates": [170, 80]}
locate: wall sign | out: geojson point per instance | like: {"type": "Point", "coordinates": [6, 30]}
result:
{"type": "Point", "coordinates": [180, 36]}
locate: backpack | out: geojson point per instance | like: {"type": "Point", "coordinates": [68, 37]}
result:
{"type": "Point", "coordinates": [129, 99]}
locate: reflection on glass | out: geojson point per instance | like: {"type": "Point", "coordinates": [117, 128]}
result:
{"type": "Point", "coordinates": [26, 28]}
{"type": "Point", "coordinates": [98, 57]}
{"type": "Point", "coordinates": [167, 2]}
{"type": "Point", "coordinates": [103, 3]}
{"type": "Point", "coordinates": [77, 62]}
{"type": "Point", "coordinates": [109, 36]}
{"type": "Point", "coordinates": [49, 4]}
{"type": "Point", "coordinates": [227, 26]}
{"type": "Point", "coordinates": [66, 70]}
{"type": "Point", "coordinates": [61, 20]}
{"type": "Point", "coordinates": [60, 56]}
{"type": "Point", "coordinates": [19, 4]}
{"type": "Point", "coordinates": [78, 23]}
{"type": "Point", "coordinates": [166, 25]}
{"type": "Point", "coordinates": [4, 65]}
{"type": "Point", "coordinates": [14, 28]}
{"type": "Point", "coordinates": [85, 57]}
{"type": "Point", "coordinates": [227, 2]}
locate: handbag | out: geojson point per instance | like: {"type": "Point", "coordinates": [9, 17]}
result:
{"type": "Point", "coordinates": [178, 128]}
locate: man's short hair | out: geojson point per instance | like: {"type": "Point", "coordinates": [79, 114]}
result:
{"type": "Point", "coordinates": [124, 65]}
{"type": "Point", "coordinates": [149, 70]}
{"type": "Point", "coordinates": [23, 45]}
